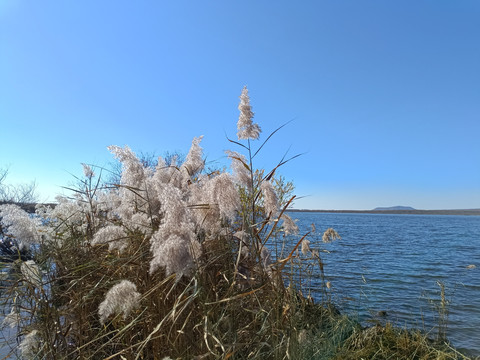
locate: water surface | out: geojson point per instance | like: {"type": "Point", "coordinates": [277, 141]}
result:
{"type": "Point", "coordinates": [392, 263]}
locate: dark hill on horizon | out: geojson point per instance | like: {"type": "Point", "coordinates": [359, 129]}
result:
{"type": "Point", "coordinates": [393, 208]}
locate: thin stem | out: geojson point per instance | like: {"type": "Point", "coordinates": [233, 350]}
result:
{"type": "Point", "coordinates": [252, 197]}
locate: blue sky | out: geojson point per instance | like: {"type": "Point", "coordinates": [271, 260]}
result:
{"type": "Point", "coordinates": [384, 95]}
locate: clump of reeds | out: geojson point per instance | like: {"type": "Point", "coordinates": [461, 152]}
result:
{"type": "Point", "coordinates": [174, 261]}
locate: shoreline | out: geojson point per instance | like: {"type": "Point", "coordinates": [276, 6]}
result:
{"type": "Point", "coordinates": [30, 208]}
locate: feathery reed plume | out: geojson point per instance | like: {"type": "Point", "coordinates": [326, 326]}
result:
{"type": "Point", "coordinates": [20, 225]}
{"type": "Point", "coordinates": [220, 193]}
{"type": "Point", "coordinates": [113, 235]}
{"type": "Point", "coordinates": [240, 169]}
{"type": "Point", "coordinates": [28, 346]}
{"type": "Point", "coordinates": [120, 299]}
{"type": "Point", "coordinates": [305, 246]}
{"type": "Point", "coordinates": [194, 161]}
{"type": "Point", "coordinates": [289, 227]}
{"type": "Point", "coordinates": [330, 235]}
{"type": "Point", "coordinates": [87, 171]}
{"type": "Point", "coordinates": [132, 182]}
{"type": "Point", "coordinates": [173, 253]}
{"type": "Point", "coordinates": [174, 246]}
{"type": "Point", "coordinates": [31, 273]}
{"type": "Point", "coordinates": [246, 128]}
{"type": "Point", "coordinates": [133, 171]}
{"type": "Point", "coordinates": [12, 320]}
{"type": "Point", "coordinates": [270, 199]}
{"type": "Point", "coordinates": [68, 214]}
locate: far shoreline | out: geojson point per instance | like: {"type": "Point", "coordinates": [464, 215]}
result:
{"type": "Point", "coordinates": [30, 208]}
{"type": "Point", "coordinates": [470, 212]}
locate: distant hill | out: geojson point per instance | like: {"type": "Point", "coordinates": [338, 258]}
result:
{"type": "Point", "coordinates": [393, 208]}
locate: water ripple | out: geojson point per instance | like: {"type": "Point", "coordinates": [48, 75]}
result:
{"type": "Point", "coordinates": [392, 263]}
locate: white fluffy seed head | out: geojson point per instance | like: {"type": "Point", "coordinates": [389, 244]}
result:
{"type": "Point", "coordinates": [114, 236]}
{"type": "Point", "coordinates": [122, 298]}
{"type": "Point", "coordinates": [87, 171]}
{"type": "Point", "coordinates": [173, 254]}
{"type": "Point", "coordinates": [289, 226]}
{"type": "Point", "coordinates": [329, 235]}
{"type": "Point", "coordinates": [29, 345]}
{"type": "Point", "coordinates": [12, 319]}
{"type": "Point", "coordinates": [241, 172]}
{"type": "Point", "coordinates": [31, 273]}
{"type": "Point", "coordinates": [270, 200]}
{"type": "Point", "coordinates": [174, 245]}
{"type": "Point", "coordinates": [194, 161]}
{"type": "Point", "coordinates": [20, 225]}
{"type": "Point", "coordinates": [221, 191]}
{"type": "Point", "coordinates": [305, 246]}
{"type": "Point", "coordinates": [133, 171]}
{"type": "Point", "coordinates": [246, 128]}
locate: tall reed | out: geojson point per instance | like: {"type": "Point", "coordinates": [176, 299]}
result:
{"type": "Point", "coordinates": [170, 261]}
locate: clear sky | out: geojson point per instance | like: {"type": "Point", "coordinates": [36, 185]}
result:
{"type": "Point", "coordinates": [384, 95]}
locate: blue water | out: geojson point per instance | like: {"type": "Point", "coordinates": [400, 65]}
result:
{"type": "Point", "coordinates": [392, 263]}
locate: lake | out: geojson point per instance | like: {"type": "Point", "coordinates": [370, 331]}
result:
{"type": "Point", "coordinates": [392, 263]}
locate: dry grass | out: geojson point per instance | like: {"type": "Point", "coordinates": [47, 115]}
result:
{"type": "Point", "coordinates": [389, 342]}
